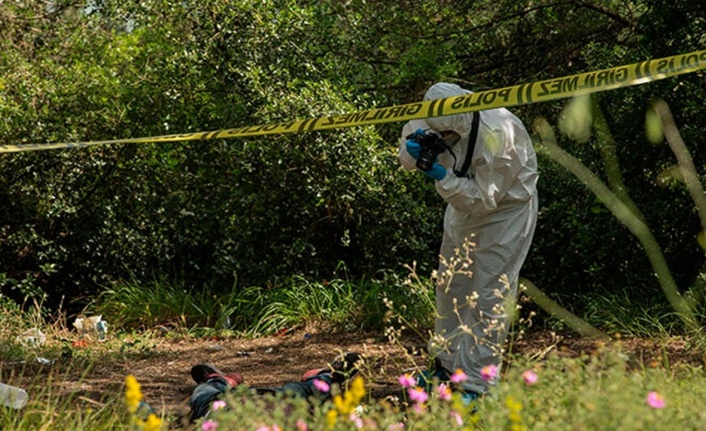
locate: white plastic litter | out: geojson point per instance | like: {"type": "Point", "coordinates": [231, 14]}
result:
{"type": "Point", "coordinates": [32, 338]}
{"type": "Point", "coordinates": [13, 397]}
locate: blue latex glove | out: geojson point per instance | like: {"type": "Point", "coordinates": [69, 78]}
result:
{"type": "Point", "coordinates": [413, 148]}
{"type": "Point", "coordinates": [437, 172]}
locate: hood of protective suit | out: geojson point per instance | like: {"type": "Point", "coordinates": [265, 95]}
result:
{"type": "Point", "coordinates": [459, 123]}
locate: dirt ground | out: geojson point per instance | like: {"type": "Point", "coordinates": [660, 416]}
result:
{"type": "Point", "coordinates": [162, 365]}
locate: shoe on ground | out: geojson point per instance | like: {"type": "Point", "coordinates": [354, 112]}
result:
{"type": "Point", "coordinates": [204, 372]}
{"type": "Point", "coordinates": [342, 368]}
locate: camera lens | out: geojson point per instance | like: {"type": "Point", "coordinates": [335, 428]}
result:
{"type": "Point", "coordinates": [426, 159]}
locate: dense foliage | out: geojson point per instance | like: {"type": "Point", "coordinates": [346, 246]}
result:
{"type": "Point", "coordinates": [252, 211]}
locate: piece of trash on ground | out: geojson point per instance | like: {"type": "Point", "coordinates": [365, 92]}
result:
{"type": "Point", "coordinates": [12, 396]}
{"type": "Point", "coordinates": [90, 327]}
{"type": "Point", "coordinates": [32, 338]}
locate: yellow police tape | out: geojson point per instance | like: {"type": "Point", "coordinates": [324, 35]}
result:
{"type": "Point", "coordinates": [534, 92]}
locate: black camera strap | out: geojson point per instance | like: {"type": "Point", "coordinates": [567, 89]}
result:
{"type": "Point", "coordinates": [472, 137]}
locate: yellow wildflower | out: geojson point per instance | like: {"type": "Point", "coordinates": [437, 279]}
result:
{"type": "Point", "coordinates": [331, 417]}
{"type": "Point", "coordinates": [153, 423]}
{"type": "Point", "coordinates": [133, 395]}
{"type": "Point", "coordinates": [338, 403]}
{"type": "Point", "coordinates": [357, 390]}
{"type": "Point", "coordinates": [351, 398]}
{"type": "Point", "coordinates": [346, 405]}
{"type": "Point", "coordinates": [514, 409]}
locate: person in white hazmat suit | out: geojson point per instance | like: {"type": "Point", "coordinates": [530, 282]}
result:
{"type": "Point", "coordinates": [494, 205]}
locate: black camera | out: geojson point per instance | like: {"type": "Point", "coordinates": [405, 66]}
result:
{"type": "Point", "coordinates": [432, 145]}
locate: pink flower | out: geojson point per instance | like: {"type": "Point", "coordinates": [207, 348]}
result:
{"type": "Point", "coordinates": [399, 426]}
{"type": "Point", "coordinates": [301, 425]}
{"type": "Point", "coordinates": [655, 400]}
{"type": "Point", "coordinates": [444, 392]}
{"type": "Point", "coordinates": [530, 377]}
{"type": "Point", "coordinates": [417, 395]}
{"type": "Point", "coordinates": [457, 417]}
{"type": "Point", "coordinates": [489, 372]}
{"type": "Point", "coordinates": [209, 425]}
{"type": "Point", "coordinates": [218, 404]}
{"type": "Point", "coordinates": [458, 376]}
{"type": "Point", "coordinates": [322, 386]}
{"type": "Point", "coordinates": [357, 421]}
{"type": "Point", "coordinates": [406, 380]}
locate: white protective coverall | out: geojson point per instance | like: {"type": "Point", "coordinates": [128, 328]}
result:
{"type": "Point", "coordinates": [495, 206]}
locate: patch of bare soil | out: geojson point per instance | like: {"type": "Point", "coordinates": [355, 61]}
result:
{"type": "Point", "coordinates": [163, 368]}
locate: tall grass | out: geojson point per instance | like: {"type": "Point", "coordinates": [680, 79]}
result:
{"type": "Point", "coordinates": [60, 414]}
{"type": "Point", "coordinates": [51, 409]}
{"type": "Point", "coordinates": [619, 313]}
{"type": "Point", "coordinates": [339, 303]}
{"type": "Point", "coordinates": [133, 305]}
